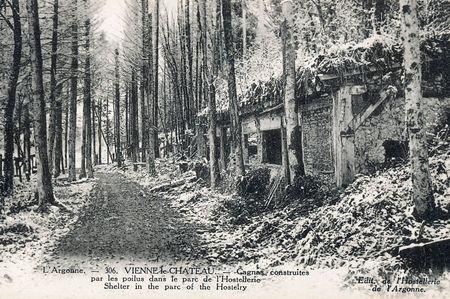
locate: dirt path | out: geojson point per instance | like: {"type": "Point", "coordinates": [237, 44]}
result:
{"type": "Point", "coordinates": [123, 221]}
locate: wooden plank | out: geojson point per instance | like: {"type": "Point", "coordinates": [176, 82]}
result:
{"type": "Point", "coordinates": [430, 254]}
{"type": "Point", "coordinates": [358, 120]}
{"type": "Point", "coordinates": [343, 138]}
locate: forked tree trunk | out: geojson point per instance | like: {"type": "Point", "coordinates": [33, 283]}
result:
{"type": "Point", "coordinates": [232, 93]}
{"type": "Point", "coordinates": [422, 188]}
{"type": "Point", "coordinates": [44, 179]}
{"type": "Point", "coordinates": [10, 103]}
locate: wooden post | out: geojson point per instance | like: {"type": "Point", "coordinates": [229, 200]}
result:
{"type": "Point", "coordinates": [259, 141]}
{"type": "Point", "coordinates": [344, 135]}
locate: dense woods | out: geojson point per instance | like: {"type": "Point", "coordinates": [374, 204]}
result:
{"type": "Point", "coordinates": [276, 103]}
{"type": "Point", "coordinates": [178, 70]}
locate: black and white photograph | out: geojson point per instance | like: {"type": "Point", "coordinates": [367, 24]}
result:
{"type": "Point", "coordinates": [224, 149]}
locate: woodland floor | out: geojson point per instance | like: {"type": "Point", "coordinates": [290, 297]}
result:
{"type": "Point", "coordinates": [124, 221]}
{"type": "Point", "coordinates": [126, 217]}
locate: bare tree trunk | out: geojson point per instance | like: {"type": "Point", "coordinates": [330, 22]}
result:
{"type": "Point", "coordinates": [87, 101]}
{"type": "Point", "coordinates": [133, 120]}
{"type": "Point", "coordinates": [66, 134]}
{"type": "Point", "coordinates": [210, 88]}
{"type": "Point", "coordinates": [155, 91]}
{"type": "Point", "coordinates": [58, 136]}
{"type": "Point", "coordinates": [117, 111]}
{"type": "Point", "coordinates": [10, 103]}
{"type": "Point", "coordinates": [17, 135]}
{"type": "Point", "coordinates": [290, 104]}
{"type": "Point", "coordinates": [94, 135]}
{"type": "Point", "coordinates": [214, 168]}
{"type": "Point", "coordinates": [151, 148]}
{"type": "Point", "coordinates": [144, 80]}
{"type": "Point", "coordinates": [107, 139]}
{"type": "Point", "coordinates": [232, 94]}
{"type": "Point", "coordinates": [44, 179]}
{"type": "Point", "coordinates": [27, 139]}
{"type": "Point", "coordinates": [99, 133]}
{"type": "Point", "coordinates": [54, 60]}
{"type": "Point", "coordinates": [127, 124]}
{"type": "Point", "coordinates": [201, 146]}
{"type": "Point", "coordinates": [422, 188]}
{"type": "Point", "coordinates": [73, 95]}
{"type": "Point", "coordinates": [189, 61]}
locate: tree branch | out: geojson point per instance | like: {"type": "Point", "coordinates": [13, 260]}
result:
{"type": "Point", "coordinates": [7, 21]}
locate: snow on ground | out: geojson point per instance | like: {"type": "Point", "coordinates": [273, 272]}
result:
{"type": "Point", "coordinates": [372, 218]}
{"type": "Point", "coordinates": [29, 235]}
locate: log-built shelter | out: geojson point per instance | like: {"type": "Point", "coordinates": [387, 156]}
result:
{"type": "Point", "coordinates": [351, 114]}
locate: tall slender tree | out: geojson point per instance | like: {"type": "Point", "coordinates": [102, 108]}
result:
{"type": "Point", "coordinates": [44, 179]}
{"type": "Point", "coordinates": [117, 109]}
{"type": "Point", "coordinates": [11, 102]}
{"type": "Point", "coordinates": [134, 119]}
{"type": "Point", "coordinates": [210, 94]}
{"type": "Point", "coordinates": [58, 150]}
{"type": "Point", "coordinates": [422, 188]}
{"type": "Point", "coordinates": [293, 140]}
{"type": "Point", "coordinates": [52, 97]}
{"type": "Point", "coordinates": [87, 123]}
{"type": "Point", "coordinates": [73, 93]}
{"type": "Point", "coordinates": [232, 93]}
{"type": "Point", "coordinates": [144, 80]}
{"type": "Point", "coordinates": [156, 84]}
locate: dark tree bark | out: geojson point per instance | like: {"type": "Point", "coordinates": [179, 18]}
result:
{"type": "Point", "coordinates": [44, 179]}
{"type": "Point", "coordinates": [155, 90]}
{"type": "Point", "coordinates": [27, 139]}
{"type": "Point", "coordinates": [58, 151]}
{"type": "Point", "coordinates": [10, 104]}
{"type": "Point", "coordinates": [87, 128]}
{"type": "Point", "coordinates": [54, 60]}
{"type": "Point", "coordinates": [144, 80]}
{"type": "Point", "coordinates": [134, 120]}
{"type": "Point", "coordinates": [94, 135]}
{"type": "Point", "coordinates": [107, 139]}
{"type": "Point", "coordinates": [232, 93]}
{"type": "Point", "coordinates": [127, 124]}
{"type": "Point", "coordinates": [73, 94]}
{"type": "Point", "coordinates": [66, 135]}
{"type": "Point", "coordinates": [100, 113]}
{"type": "Point", "coordinates": [190, 78]}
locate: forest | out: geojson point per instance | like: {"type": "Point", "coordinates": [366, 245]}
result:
{"type": "Point", "coordinates": [271, 132]}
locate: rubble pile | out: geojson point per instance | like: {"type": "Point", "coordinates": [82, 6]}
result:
{"type": "Point", "coordinates": [371, 220]}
